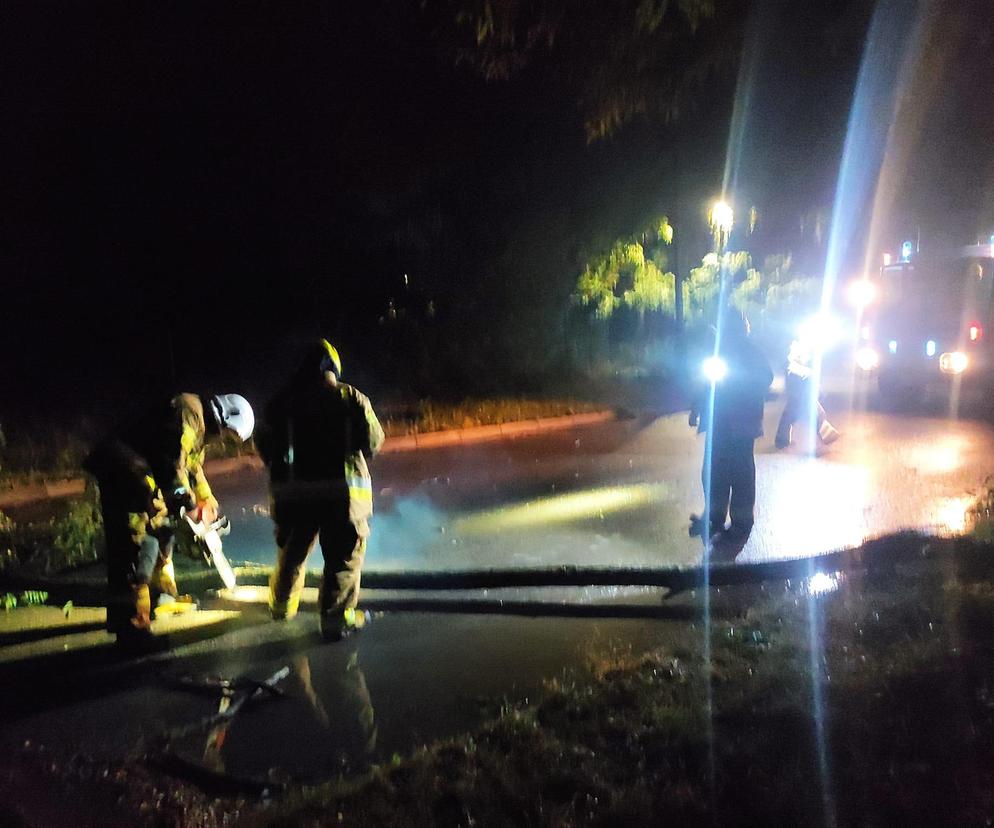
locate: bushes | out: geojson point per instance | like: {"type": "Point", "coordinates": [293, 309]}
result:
{"type": "Point", "coordinates": [70, 539]}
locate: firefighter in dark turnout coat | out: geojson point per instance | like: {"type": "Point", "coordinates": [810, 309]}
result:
{"type": "Point", "coordinates": [317, 435]}
{"type": "Point", "coordinates": [734, 420]}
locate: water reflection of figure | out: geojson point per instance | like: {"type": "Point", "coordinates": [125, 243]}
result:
{"type": "Point", "coordinates": [344, 716]}
{"type": "Point", "coordinates": [353, 732]}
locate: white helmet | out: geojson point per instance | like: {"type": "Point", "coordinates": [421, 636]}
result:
{"type": "Point", "coordinates": [234, 412]}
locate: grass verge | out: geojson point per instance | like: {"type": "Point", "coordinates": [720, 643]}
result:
{"type": "Point", "coordinates": [869, 704]}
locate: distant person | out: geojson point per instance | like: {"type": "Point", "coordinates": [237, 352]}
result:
{"type": "Point", "coordinates": [147, 472]}
{"type": "Point", "coordinates": [798, 393]}
{"type": "Point", "coordinates": [318, 433]}
{"type": "Point", "coordinates": [740, 376]}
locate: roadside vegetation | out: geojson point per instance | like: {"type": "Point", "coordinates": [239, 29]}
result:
{"type": "Point", "coordinates": [69, 538]}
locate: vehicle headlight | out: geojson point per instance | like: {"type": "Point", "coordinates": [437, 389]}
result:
{"type": "Point", "coordinates": [861, 293]}
{"type": "Point", "coordinates": [715, 368]}
{"type": "Point", "coordinates": [820, 332]}
{"type": "Point", "coordinates": [867, 358]}
{"type": "Point", "coordinates": [955, 362]}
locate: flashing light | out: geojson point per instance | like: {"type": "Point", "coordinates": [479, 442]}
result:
{"type": "Point", "coordinates": [906, 250]}
{"type": "Point", "coordinates": [976, 332]}
{"type": "Point", "coordinates": [861, 293]}
{"type": "Point", "coordinates": [715, 369]}
{"type": "Point", "coordinates": [865, 332]}
{"type": "Point", "coordinates": [892, 346]}
{"type": "Point", "coordinates": [820, 332]}
{"type": "Point", "coordinates": [930, 348]}
{"type": "Point", "coordinates": [955, 362]}
{"type": "Point", "coordinates": [887, 259]}
{"type": "Point", "coordinates": [867, 358]}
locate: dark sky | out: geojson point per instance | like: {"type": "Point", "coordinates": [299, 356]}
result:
{"type": "Point", "coordinates": [188, 189]}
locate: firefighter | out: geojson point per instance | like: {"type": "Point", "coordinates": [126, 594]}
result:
{"type": "Point", "coordinates": [738, 380]}
{"type": "Point", "coordinates": [796, 389]}
{"type": "Point", "coordinates": [146, 473]}
{"type": "Point", "coordinates": [318, 433]}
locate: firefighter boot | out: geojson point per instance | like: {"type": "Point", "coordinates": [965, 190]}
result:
{"type": "Point", "coordinates": [164, 582]}
{"type": "Point", "coordinates": [827, 433]}
{"type": "Point", "coordinates": [137, 632]}
{"type": "Point", "coordinates": [336, 627]}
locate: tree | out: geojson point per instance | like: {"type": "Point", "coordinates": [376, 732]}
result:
{"type": "Point", "coordinates": [618, 59]}
{"type": "Point", "coordinates": [625, 276]}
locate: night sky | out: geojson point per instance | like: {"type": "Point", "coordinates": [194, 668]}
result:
{"type": "Point", "coordinates": [190, 190]}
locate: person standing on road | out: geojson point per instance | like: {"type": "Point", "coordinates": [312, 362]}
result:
{"type": "Point", "coordinates": [317, 435]}
{"type": "Point", "coordinates": [730, 409]}
{"type": "Point", "coordinates": [147, 472]}
{"type": "Point", "coordinates": [797, 389]}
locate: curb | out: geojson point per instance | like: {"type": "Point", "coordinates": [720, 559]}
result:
{"type": "Point", "coordinates": [486, 433]}
{"type": "Point", "coordinates": [58, 489]}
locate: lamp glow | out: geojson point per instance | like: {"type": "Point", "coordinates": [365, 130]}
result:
{"type": "Point", "coordinates": [722, 217]}
{"type": "Point", "coordinates": [861, 293]}
{"type": "Point", "coordinates": [867, 358]}
{"type": "Point", "coordinates": [715, 369]}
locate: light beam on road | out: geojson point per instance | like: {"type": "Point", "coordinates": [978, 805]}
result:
{"type": "Point", "coordinates": [563, 508]}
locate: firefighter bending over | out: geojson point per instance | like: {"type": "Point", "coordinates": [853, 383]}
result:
{"type": "Point", "coordinates": [147, 472]}
{"type": "Point", "coordinates": [318, 433]}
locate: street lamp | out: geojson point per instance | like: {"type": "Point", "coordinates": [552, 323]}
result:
{"type": "Point", "coordinates": [720, 218]}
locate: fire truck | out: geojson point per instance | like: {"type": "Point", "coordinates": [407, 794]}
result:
{"type": "Point", "coordinates": [927, 322]}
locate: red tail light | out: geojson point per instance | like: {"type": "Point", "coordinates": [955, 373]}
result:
{"type": "Point", "coordinates": [976, 332]}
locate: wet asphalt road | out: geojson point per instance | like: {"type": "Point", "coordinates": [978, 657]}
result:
{"type": "Point", "coordinates": [618, 494]}
{"type": "Point", "coordinates": [621, 494]}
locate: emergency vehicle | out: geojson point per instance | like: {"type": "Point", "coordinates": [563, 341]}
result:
{"type": "Point", "coordinates": [928, 322]}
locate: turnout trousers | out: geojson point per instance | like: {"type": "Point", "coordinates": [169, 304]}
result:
{"type": "Point", "coordinates": [796, 408]}
{"type": "Point", "coordinates": [298, 526]}
{"type": "Point", "coordinates": [139, 562]}
{"type": "Point", "coordinates": [732, 484]}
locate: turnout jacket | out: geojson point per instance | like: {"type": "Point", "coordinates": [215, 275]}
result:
{"type": "Point", "coordinates": [739, 397]}
{"type": "Point", "coordinates": [164, 449]}
{"type": "Point", "coordinates": [315, 441]}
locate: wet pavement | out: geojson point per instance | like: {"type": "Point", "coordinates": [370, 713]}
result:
{"type": "Point", "coordinates": [614, 495]}
{"type": "Point", "coordinates": [621, 494]}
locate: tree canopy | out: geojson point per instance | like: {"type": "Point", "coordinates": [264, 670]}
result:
{"type": "Point", "coordinates": [617, 59]}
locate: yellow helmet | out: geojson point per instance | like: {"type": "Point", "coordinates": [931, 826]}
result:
{"type": "Point", "coordinates": [330, 360]}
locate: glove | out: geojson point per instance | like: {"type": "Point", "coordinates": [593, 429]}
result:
{"type": "Point", "coordinates": [181, 498]}
{"type": "Point", "coordinates": [206, 512]}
